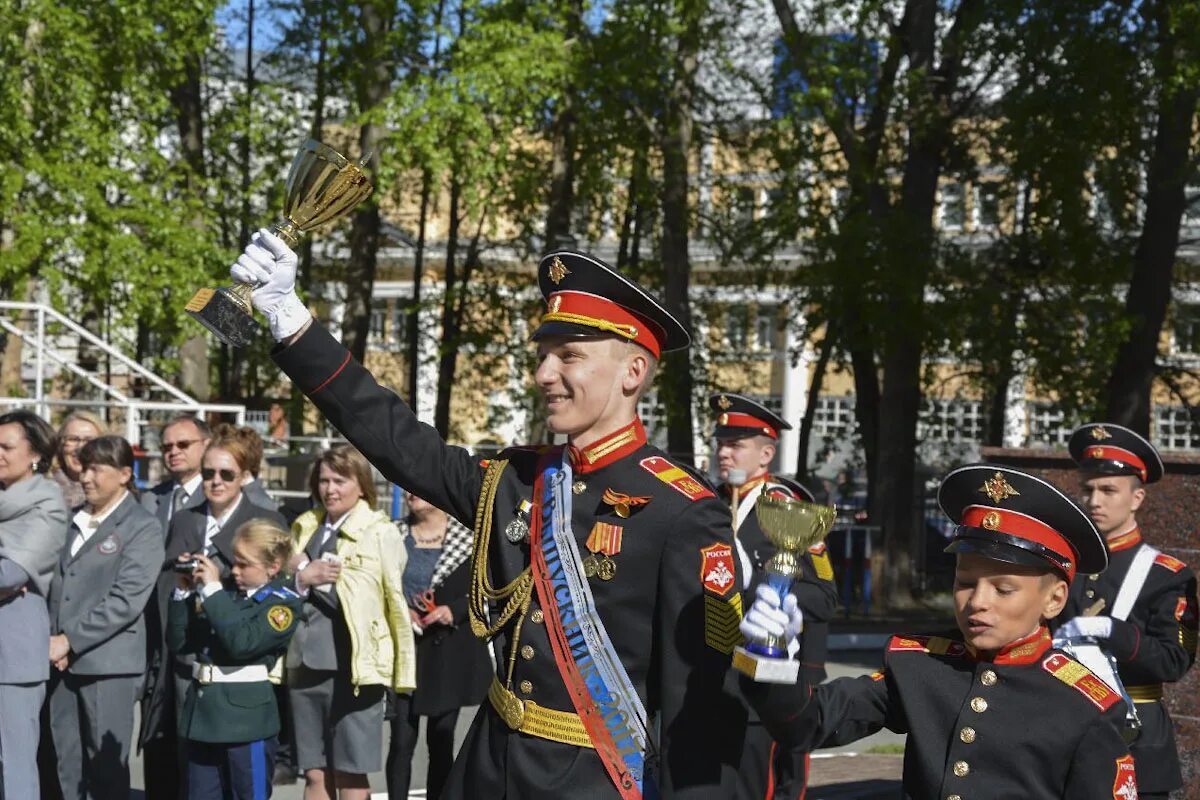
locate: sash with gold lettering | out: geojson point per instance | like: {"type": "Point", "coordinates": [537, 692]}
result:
{"type": "Point", "coordinates": [600, 688]}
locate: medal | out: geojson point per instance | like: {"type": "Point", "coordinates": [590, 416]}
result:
{"type": "Point", "coordinates": [606, 568]}
{"type": "Point", "coordinates": [590, 566]}
{"type": "Point", "coordinates": [604, 542]}
{"type": "Point", "coordinates": [517, 530]}
{"type": "Point", "coordinates": [623, 504]}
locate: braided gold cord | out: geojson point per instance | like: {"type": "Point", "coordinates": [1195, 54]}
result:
{"type": "Point", "coordinates": [517, 594]}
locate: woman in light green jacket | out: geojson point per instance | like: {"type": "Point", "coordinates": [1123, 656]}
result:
{"type": "Point", "coordinates": [355, 636]}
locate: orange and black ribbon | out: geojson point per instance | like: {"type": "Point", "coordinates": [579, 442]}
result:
{"type": "Point", "coordinates": [622, 503]}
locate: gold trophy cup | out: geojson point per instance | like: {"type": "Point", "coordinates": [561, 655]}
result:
{"type": "Point", "coordinates": [321, 186]}
{"type": "Point", "coordinates": [792, 526]}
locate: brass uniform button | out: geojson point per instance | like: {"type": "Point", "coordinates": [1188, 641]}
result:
{"type": "Point", "coordinates": [527, 651]}
{"type": "Point", "coordinates": [988, 678]}
{"type": "Point", "coordinates": [578, 487]}
{"type": "Point", "coordinates": [961, 769]}
{"type": "Point", "coordinates": [967, 735]}
{"type": "Point", "coordinates": [978, 705]}
{"type": "Point", "coordinates": [1093, 577]}
{"type": "Point", "coordinates": [537, 616]}
{"type": "Point", "coordinates": [526, 687]}
{"type": "Point", "coordinates": [953, 797]}
{"type": "Point", "coordinates": [1090, 593]}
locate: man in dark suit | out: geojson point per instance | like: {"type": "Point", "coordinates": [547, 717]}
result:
{"type": "Point", "coordinates": [184, 439]}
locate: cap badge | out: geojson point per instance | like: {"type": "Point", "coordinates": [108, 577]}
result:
{"type": "Point", "coordinates": [558, 270]}
{"type": "Point", "coordinates": [724, 402]}
{"type": "Point", "coordinates": [555, 302]}
{"type": "Point", "coordinates": [724, 420]}
{"type": "Point", "coordinates": [998, 489]}
{"type": "Point", "coordinates": [991, 520]}
{"type": "Point", "coordinates": [1100, 434]}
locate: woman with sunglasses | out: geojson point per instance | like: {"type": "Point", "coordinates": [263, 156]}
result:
{"type": "Point", "coordinates": [354, 639]}
{"type": "Point", "coordinates": [77, 429]}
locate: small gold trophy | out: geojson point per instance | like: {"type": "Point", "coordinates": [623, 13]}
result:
{"type": "Point", "coordinates": [793, 526]}
{"type": "Point", "coordinates": [321, 186]}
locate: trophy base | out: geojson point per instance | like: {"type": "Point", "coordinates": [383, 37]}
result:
{"type": "Point", "coordinates": [764, 669]}
{"type": "Point", "coordinates": [225, 316]}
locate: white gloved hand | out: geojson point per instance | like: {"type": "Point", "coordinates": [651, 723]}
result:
{"type": "Point", "coordinates": [1095, 627]}
{"type": "Point", "coordinates": [269, 265]}
{"type": "Point", "coordinates": [767, 617]}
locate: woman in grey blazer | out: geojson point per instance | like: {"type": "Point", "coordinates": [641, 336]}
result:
{"type": "Point", "coordinates": [33, 525]}
{"type": "Point", "coordinates": [98, 644]}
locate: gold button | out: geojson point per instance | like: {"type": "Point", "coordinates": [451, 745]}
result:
{"type": "Point", "coordinates": [537, 616]}
{"type": "Point", "coordinates": [978, 705]}
{"type": "Point", "coordinates": [578, 487]}
{"type": "Point", "coordinates": [526, 687]}
{"type": "Point", "coordinates": [988, 678]}
{"type": "Point", "coordinates": [1090, 593]}
{"type": "Point", "coordinates": [961, 769]}
{"type": "Point", "coordinates": [1094, 576]}
{"type": "Point", "coordinates": [967, 735]}
{"type": "Point", "coordinates": [953, 797]}
{"type": "Point", "coordinates": [527, 652]}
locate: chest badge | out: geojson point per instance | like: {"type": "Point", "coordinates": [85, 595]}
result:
{"type": "Point", "coordinates": [604, 542]}
{"type": "Point", "coordinates": [517, 530]}
{"type": "Point", "coordinates": [623, 504]}
{"type": "Point", "coordinates": [109, 545]}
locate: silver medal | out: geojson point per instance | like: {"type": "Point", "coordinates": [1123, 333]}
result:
{"type": "Point", "coordinates": [516, 531]}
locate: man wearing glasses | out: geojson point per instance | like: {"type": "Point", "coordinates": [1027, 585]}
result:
{"type": "Point", "coordinates": [184, 439]}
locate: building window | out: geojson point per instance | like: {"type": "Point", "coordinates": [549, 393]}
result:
{"type": "Point", "coordinates": [987, 206]}
{"type": "Point", "coordinates": [951, 421]}
{"type": "Point", "coordinates": [1187, 329]}
{"type": "Point", "coordinates": [953, 207]}
{"type": "Point", "coordinates": [744, 203]}
{"type": "Point", "coordinates": [737, 327]}
{"type": "Point", "coordinates": [834, 416]}
{"type": "Point", "coordinates": [1174, 428]}
{"type": "Point", "coordinates": [1191, 209]}
{"type": "Point", "coordinates": [766, 328]}
{"type": "Point", "coordinates": [1047, 426]}
{"type": "Point", "coordinates": [388, 324]}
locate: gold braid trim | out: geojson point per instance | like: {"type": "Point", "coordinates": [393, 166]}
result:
{"type": "Point", "coordinates": [628, 331]}
{"type": "Point", "coordinates": [516, 595]}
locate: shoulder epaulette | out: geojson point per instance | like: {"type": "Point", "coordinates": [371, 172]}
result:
{"type": "Point", "coordinates": [935, 645]}
{"type": "Point", "coordinates": [285, 593]}
{"type": "Point", "coordinates": [1074, 674]}
{"type": "Point", "coordinates": [264, 592]}
{"type": "Point", "coordinates": [678, 478]}
{"type": "Point", "coordinates": [1170, 562]}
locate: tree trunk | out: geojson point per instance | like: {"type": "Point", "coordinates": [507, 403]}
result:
{"type": "Point", "coordinates": [448, 358]}
{"type": "Point", "coordinates": [676, 144]}
{"type": "Point", "coordinates": [562, 160]}
{"type": "Point", "coordinates": [1150, 284]}
{"type": "Point", "coordinates": [374, 84]}
{"type": "Point", "coordinates": [413, 319]}
{"type": "Point", "coordinates": [810, 408]}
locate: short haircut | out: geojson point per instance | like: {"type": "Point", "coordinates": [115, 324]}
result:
{"type": "Point", "coordinates": [628, 349]}
{"type": "Point", "coordinates": [37, 432]}
{"type": "Point", "coordinates": [82, 416]}
{"type": "Point", "coordinates": [201, 425]}
{"type": "Point", "coordinates": [250, 442]}
{"type": "Point", "coordinates": [110, 451]}
{"type": "Point", "coordinates": [349, 463]}
{"type": "Point", "coordinates": [270, 543]}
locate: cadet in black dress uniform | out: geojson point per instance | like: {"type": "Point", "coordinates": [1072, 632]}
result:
{"type": "Point", "coordinates": [747, 433]}
{"type": "Point", "coordinates": [610, 597]}
{"type": "Point", "coordinates": [229, 717]}
{"type": "Point", "coordinates": [993, 711]}
{"type": "Point", "coordinates": [1143, 607]}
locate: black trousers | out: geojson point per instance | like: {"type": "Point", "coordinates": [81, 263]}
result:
{"type": "Point", "coordinates": [160, 765]}
{"type": "Point", "coordinates": [439, 736]}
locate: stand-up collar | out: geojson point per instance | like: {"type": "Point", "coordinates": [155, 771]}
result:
{"type": "Point", "coordinates": [1125, 541]}
{"type": "Point", "coordinates": [750, 485]}
{"type": "Point", "coordinates": [1023, 651]}
{"type": "Point", "coordinates": [611, 448]}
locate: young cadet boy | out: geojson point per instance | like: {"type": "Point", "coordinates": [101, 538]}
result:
{"type": "Point", "coordinates": [994, 711]}
{"type": "Point", "coordinates": [603, 573]}
{"type": "Point", "coordinates": [747, 434]}
{"type": "Point", "coordinates": [1142, 609]}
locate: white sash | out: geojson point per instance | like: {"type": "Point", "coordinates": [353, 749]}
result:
{"type": "Point", "coordinates": [1135, 579]}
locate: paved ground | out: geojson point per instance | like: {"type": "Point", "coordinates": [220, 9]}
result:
{"type": "Point", "coordinates": [844, 773]}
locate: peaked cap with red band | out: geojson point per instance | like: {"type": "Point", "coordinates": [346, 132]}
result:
{"type": "Point", "coordinates": [1012, 516]}
{"type": "Point", "coordinates": [794, 486]}
{"type": "Point", "coordinates": [738, 416]}
{"type": "Point", "coordinates": [1103, 449]}
{"type": "Point", "coordinates": [586, 297]}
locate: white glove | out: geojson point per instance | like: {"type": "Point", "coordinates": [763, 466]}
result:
{"type": "Point", "coordinates": [1095, 627]}
{"type": "Point", "coordinates": [767, 618]}
{"type": "Point", "coordinates": [269, 266]}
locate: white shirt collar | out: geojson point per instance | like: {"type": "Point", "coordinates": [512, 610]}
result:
{"type": "Point", "coordinates": [192, 486]}
{"type": "Point", "coordinates": [220, 523]}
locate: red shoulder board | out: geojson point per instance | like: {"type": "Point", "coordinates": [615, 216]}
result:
{"type": "Point", "coordinates": [936, 645]}
{"type": "Point", "coordinates": [1170, 562]}
{"type": "Point", "coordinates": [1072, 673]}
{"type": "Point", "coordinates": [716, 569]}
{"type": "Point", "coordinates": [1125, 781]}
{"type": "Point", "coordinates": [677, 478]}
{"type": "Point", "coordinates": [903, 643]}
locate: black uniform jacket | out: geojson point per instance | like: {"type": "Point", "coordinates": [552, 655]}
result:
{"type": "Point", "coordinates": [673, 635]}
{"type": "Point", "coordinates": [1030, 723]}
{"type": "Point", "coordinates": [453, 667]}
{"type": "Point", "coordinates": [815, 590]}
{"type": "Point", "coordinates": [233, 631]}
{"type": "Point", "coordinates": [1155, 645]}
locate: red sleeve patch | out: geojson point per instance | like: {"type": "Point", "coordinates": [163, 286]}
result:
{"type": "Point", "coordinates": [677, 478]}
{"type": "Point", "coordinates": [716, 569]}
{"type": "Point", "coordinates": [1072, 673]}
{"type": "Point", "coordinates": [1125, 782]}
{"type": "Point", "coordinates": [1170, 562]}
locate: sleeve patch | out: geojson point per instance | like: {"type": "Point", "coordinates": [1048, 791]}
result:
{"type": "Point", "coordinates": [1189, 622]}
{"type": "Point", "coordinates": [1072, 673]}
{"type": "Point", "coordinates": [1170, 562]}
{"type": "Point", "coordinates": [716, 569]}
{"type": "Point", "coordinates": [1125, 782]}
{"type": "Point", "coordinates": [821, 564]}
{"type": "Point", "coordinates": [677, 478]}
{"type": "Point", "coordinates": [721, 618]}
{"type": "Point", "coordinates": [280, 618]}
